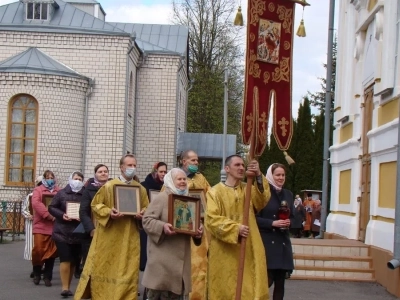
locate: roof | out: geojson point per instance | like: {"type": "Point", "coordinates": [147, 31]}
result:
{"type": "Point", "coordinates": [67, 18]}
{"type": "Point", "coordinates": [35, 61]}
{"type": "Point", "coordinates": [206, 145]}
{"type": "Point", "coordinates": [87, 2]}
{"type": "Point", "coordinates": [164, 39]}
{"type": "Point", "coordinates": [158, 38]}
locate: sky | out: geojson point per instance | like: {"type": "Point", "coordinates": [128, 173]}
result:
{"type": "Point", "coordinates": [310, 53]}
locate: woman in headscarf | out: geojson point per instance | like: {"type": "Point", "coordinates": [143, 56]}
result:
{"type": "Point", "coordinates": [27, 213]}
{"type": "Point", "coordinates": [44, 250]}
{"type": "Point", "coordinates": [168, 270]}
{"type": "Point", "coordinates": [68, 246]}
{"type": "Point", "coordinates": [275, 232]}
{"type": "Point", "coordinates": [153, 181]}
{"type": "Point", "coordinates": [101, 176]}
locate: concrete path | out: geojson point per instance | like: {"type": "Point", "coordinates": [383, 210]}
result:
{"type": "Point", "coordinates": [15, 283]}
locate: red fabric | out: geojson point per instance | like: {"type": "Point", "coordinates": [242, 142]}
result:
{"type": "Point", "coordinates": [42, 220]}
{"type": "Point", "coordinates": [268, 72]}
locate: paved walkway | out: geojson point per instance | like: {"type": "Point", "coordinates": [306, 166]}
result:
{"type": "Point", "coordinates": [15, 283]}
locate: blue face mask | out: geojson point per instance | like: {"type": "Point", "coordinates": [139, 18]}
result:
{"type": "Point", "coordinates": [50, 182]}
{"type": "Point", "coordinates": [193, 168]}
{"type": "Point", "coordinates": [130, 172]}
{"type": "Point", "coordinates": [181, 192]}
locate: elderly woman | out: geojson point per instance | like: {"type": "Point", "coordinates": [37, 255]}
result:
{"type": "Point", "coordinates": [44, 250]}
{"type": "Point", "coordinates": [68, 246]}
{"type": "Point", "coordinates": [275, 232]}
{"type": "Point", "coordinates": [168, 270]}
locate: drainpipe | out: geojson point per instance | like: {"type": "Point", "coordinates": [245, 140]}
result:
{"type": "Point", "coordinates": [127, 95]}
{"type": "Point", "coordinates": [395, 262]}
{"type": "Point", "coordinates": [187, 102]}
{"type": "Point", "coordinates": [85, 123]}
{"type": "Point", "coordinates": [177, 107]}
{"type": "Point", "coordinates": [327, 123]}
{"type": "Point", "coordinates": [135, 126]}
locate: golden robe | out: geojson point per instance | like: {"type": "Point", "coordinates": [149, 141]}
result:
{"type": "Point", "coordinates": [308, 203]}
{"type": "Point", "coordinates": [112, 267]}
{"type": "Point", "coordinates": [223, 216]}
{"type": "Point", "coordinates": [199, 253]}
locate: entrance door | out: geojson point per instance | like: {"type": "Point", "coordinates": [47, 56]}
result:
{"type": "Point", "coordinates": [366, 163]}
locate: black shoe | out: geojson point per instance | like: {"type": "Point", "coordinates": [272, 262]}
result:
{"type": "Point", "coordinates": [36, 280]}
{"type": "Point", "coordinates": [32, 275]}
{"type": "Point", "coordinates": [47, 282]}
{"type": "Point", "coordinates": [65, 293]}
{"type": "Point", "coordinates": [70, 293]}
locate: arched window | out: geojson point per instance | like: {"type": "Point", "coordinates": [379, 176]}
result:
{"type": "Point", "coordinates": [130, 96]}
{"type": "Point", "coordinates": [22, 137]}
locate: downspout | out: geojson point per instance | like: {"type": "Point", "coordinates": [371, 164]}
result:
{"type": "Point", "coordinates": [395, 262]}
{"type": "Point", "coordinates": [127, 95]}
{"type": "Point", "coordinates": [135, 126]}
{"type": "Point", "coordinates": [187, 102]}
{"type": "Point", "coordinates": [177, 109]}
{"type": "Point", "coordinates": [85, 123]}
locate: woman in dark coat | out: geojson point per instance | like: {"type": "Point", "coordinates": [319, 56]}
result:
{"type": "Point", "coordinates": [275, 232]}
{"type": "Point", "coordinates": [299, 214]}
{"type": "Point", "coordinates": [153, 181]}
{"type": "Point", "coordinates": [85, 212]}
{"type": "Point", "coordinates": [68, 246]}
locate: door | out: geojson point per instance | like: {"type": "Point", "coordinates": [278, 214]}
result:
{"type": "Point", "coordinates": [366, 163]}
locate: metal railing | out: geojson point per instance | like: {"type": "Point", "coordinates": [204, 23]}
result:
{"type": "Point", "coordinates": [11, 217]}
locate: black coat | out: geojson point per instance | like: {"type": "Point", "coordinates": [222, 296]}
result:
{"type": "Point", "coordinates": [62, 230]}
{"type": "Point", "coordinates": [278, 248]}
{"type": "Point", "coordinates": [149, 184]}
{"type": "Point", "coordinates": [85, 210]}
{"type": "Point", "coordinates": [299, 214]}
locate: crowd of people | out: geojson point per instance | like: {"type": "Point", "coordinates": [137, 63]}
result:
{"type": "Point", "coordinates": [306, 217]}
{"type": "Point", "coordinates": [106, 249]}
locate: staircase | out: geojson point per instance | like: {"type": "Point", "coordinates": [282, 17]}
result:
{"type": "Point", "coordinates": [332, 259]}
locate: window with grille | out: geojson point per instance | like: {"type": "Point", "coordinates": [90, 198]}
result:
{"type": "Point", "coordinates": [37, 11]}
{"type": "Point", "coordinates": [22, 137]}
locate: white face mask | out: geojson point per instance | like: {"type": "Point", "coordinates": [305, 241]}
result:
{"type": "Point", "coordinates": [130, 172]}
{"type": "Point", "coordinates": [76, 185]}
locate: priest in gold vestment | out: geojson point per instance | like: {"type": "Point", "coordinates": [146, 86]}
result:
{"type": "Point", "coordinates": [112, 267]}
{"type": "Point", "coordinates": [224, 216]}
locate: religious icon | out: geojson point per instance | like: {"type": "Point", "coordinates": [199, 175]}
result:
{"type": "Point", "coordinates": [127, 199]}
{"type": "Point", "coordinates": [269, 40]}
{"type": "Point", "coordinates": [199, 193]}
{"type": "Point", "coordinates": [284, 212]}
{"type": "Point", "coordinates": [184, 213]}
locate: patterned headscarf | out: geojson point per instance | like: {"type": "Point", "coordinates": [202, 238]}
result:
{"type": "Point", "coordinates": [271, 180]}
{"type": "Point", "coordinates": [169, 181]}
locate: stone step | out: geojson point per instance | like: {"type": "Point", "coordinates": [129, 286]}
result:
{"type": "Point", "coordinates": [336, 273]}
{"type": "Point", "coordinates": [331, 250]}
{"type": "Point", "coordinates": [359, 262]}
{"type": "Point", "coordinates": [307, 277]}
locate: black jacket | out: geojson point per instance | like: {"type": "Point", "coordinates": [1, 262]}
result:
{"type": "Point", "coordinates": [151, 184]}
{"type": "Point", "coordinates": [299, 214]}
{"type": "Point", "coordinates": [278, 248]}
{"type": "Point", "coordinates": [85, 210]}
{"type": "Point", "coordinates": [62, 230]}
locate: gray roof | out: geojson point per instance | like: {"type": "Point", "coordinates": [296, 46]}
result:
{"type": "Point", "coordinates": [35, 61]}
{"type": "Point", "coordinates": [206, 145]}
{"type": "Point", "coordinates": [67, 18]}
{"type": "Point", "coordinates": [155, 38]}
{"type": "Point", "coordinates": [86, 2]}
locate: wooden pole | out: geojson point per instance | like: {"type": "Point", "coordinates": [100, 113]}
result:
{"type": "Point", "coordinates": [246, 211]}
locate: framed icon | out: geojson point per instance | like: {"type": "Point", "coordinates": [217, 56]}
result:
{"type": "Point", "coordinates": [127, 199]}
{"type": "Point", "coordinates": [73, 209]}
{"type": "Point", "coordinates": [46, 199]}
{"type": "Point", "coordinates": [184, 213]}
{"type": "Point", "coordinates": [200, 194]}
{"type": "Point", "coordinates": [153, 194]}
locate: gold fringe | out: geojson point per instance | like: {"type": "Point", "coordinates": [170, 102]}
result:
{"type": "Point", "coordinates": [301, 31]}
{"type": "Point", "coordinates": [289, 160]}
{"type": "Point", "coordinates": [239, 17]}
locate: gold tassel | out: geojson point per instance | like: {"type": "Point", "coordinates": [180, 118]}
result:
{"type": "Point", "coordinates": [301, 32]}
{"type": "Point", "coordinates": [289, 160]}
{"type": "Point", "coordinates": [239, 17]}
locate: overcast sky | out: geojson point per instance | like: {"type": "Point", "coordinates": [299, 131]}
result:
{"type": "Point", "coordinates": [309, 52]}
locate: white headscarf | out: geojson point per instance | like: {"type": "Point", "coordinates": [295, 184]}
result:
{"type": "Point", "coordinates": [169, 181]}
{"type": "Point", "coordinates": [76, 185]}
{"type": "Point", "coordinates": [271, 180]}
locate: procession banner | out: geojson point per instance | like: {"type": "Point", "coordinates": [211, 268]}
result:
{"type": "Point", "coordinates": [268, 75]}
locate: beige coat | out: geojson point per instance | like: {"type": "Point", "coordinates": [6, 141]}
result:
{"type": "Point", "coordinates": [168, 257]}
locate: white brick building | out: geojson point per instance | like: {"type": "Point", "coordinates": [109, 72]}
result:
{"type": "Point", "coordinates": [76, 91]}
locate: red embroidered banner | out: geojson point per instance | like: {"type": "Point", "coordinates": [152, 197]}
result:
{"type": "Point", "coordinates": [268, 75]}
